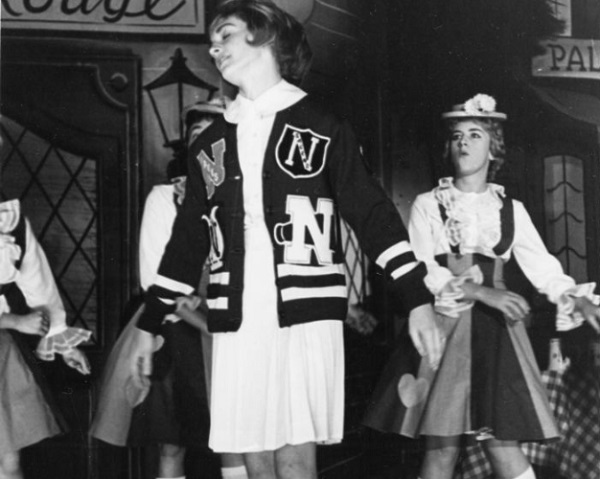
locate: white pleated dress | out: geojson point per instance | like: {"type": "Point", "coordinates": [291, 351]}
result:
{"type": "Point", "coordinates": [271, 386]}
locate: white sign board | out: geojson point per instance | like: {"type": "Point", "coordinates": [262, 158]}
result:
{"type": "Point", "coordinates": [131, 16]}
{"type": "Point", "coordinates": [568, 58]}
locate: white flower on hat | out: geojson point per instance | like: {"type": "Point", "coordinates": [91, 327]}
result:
{"type": "Point", "coordinates": [479, 104]}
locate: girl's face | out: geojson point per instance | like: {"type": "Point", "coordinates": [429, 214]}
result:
{"type": "Point", "coordinates": [233, 55]}
{"type": "Point", "coordinates": [470, 149]}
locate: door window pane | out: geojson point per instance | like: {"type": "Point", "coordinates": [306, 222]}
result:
{"type": "Point", "coordinates": [565, 213]}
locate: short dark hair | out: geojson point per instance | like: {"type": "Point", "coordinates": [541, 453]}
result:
{"type": "Point", "coordinates": [271, 25]}
{"type": "Point", "coordinates": [497, 147]}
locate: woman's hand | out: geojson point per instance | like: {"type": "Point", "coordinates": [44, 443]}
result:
{"type": "Point", "coordinates": [77, 360]}
{"type": "Point", "coordinates": [35, 322]}
{"type": "Point", "coordinates": [188, 309]}
{"type": "Point", "coordinates": [512, 305]}
{"type": "Point", "coordinates": [191, 302]}
{"type": "Point", "coordinates": [426, 335]}
{"type": "Point", "coordinates": [360, 320]}
{"type": "Point", "coordinates": [140, 366]}
{"type": "Point", "coordinates": [589, 311]}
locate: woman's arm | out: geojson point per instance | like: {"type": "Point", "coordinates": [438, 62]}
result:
{"type": "Point", "coordinates": [513, 305]}
{"type": "Point", "coordinates": [576, 303]}
{"type": "Point", "coordinates": [35, 322]}
{"type": "Point", "coordinates": [36, 282]}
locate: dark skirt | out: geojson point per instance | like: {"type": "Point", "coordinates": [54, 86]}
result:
{"type": "Point", "coordinates": [28, 413]}
{"type": "Point", "coordinates": [173, 411]}
{"type": "Point", "coordinates": [488, 382]}
{"type": "Point", "coordinates": [176, 408]}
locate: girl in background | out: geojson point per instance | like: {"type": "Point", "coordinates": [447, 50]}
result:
{"type": "Point", "coordinates": [30, 305]}
{"type": "Point", "coordinates": [170, 408]}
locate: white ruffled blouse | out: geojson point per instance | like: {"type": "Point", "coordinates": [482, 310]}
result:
{"type": "Point", "coordinates": [473, 225]}
{"type": "Point", "coordinates": [35, 280]}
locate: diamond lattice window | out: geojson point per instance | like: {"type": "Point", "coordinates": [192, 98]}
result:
{"type": "Point", "coordinates": [356, 267]}
{"type": "Point", "coordinates": [58, 192]}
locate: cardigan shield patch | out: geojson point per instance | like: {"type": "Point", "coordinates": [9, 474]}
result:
{"type": "Point", "coordinates": [301, 153]}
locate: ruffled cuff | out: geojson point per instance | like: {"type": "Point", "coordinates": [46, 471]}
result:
{"type": "Point", "coordinates": [449, 298]}
{"type": "Point", "coordinates": [566, 316]}
{"type": "Point", "coordinates": [61, 343]}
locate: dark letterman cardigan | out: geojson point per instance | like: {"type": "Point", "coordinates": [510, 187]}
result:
{"type": "Point", "coordinates": [312, 172]}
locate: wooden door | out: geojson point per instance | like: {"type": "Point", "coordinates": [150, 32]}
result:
{"type": "Point", "coordinates": [71, 154]}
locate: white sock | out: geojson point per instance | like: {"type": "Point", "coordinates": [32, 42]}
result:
{"type": "Point", "coordinates": [528, 474]}
{"type": "Point", "coordinates": [180, 477]}
{"type": "Point", "coordinates": [238, 472]}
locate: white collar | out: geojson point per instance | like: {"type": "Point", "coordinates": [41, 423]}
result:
{"type": "Point", "coordinates": [277, 98]}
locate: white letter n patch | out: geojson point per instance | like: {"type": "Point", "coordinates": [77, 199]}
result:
{"type": "Point", "coordinates": [307, 231]}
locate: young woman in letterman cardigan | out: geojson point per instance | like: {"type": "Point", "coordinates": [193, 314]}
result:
{"type": "Point", "coordinates": [488, 384]}
{"type": "Point", "coordinates": [265, 187]}
{"type": "Point", "coordinates": [30, 305]}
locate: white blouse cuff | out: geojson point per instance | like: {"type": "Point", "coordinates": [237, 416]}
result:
{"type": "Point", "coordinates": [437, 278]}
{"type": "Point", "coordinates": [449, 299]}
{"type": "Point", "coordinates": [61, 342]}
{"type": "Point", "coordinates": [566, 316]}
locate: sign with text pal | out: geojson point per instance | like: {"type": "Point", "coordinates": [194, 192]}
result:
{"type": "Point", "coordinates": [128, 16]}
{"type": "Point", "coordinates": [568, 58]}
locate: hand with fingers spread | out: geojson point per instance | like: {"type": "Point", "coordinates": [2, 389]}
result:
{"type": "Point", "coordinates": [140, 366]}
{"type": "Point", "coordinates": [77, 360]}
{"type": "Point", "coordinates": [512, 305]}
{"type": "Point", "coordinates": [589, 311]}
{"type": "Point", "coordinates": [425, 334]}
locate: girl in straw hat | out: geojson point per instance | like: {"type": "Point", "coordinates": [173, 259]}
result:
{"type": "Point", "coordinates": [488, 385]}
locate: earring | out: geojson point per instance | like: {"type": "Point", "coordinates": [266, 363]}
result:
{"type": "Point", "coordinates": [490, 156]}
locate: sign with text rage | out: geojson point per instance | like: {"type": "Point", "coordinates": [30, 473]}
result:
{"type": "Point", "coordinates": [568, 57]}
{"type": "Point", "coordinates": [132, 16]}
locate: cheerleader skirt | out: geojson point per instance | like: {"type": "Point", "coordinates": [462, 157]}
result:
{"type": "Point", "coordinates": [27, 413]}
{"type": "Point", "coordinates": [173, 410]}
{"type": "Point", "coordinates": [488, 382]}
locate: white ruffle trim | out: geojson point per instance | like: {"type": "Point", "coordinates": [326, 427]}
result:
{"type": "Point", "coordinates": [449, 300]}
{"type": "Point", "coordinates": [61, 343]}
{"type": "Point", "coordinates": [566, 316]}
{"type": "Point", "coordinates": [473, 219]}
